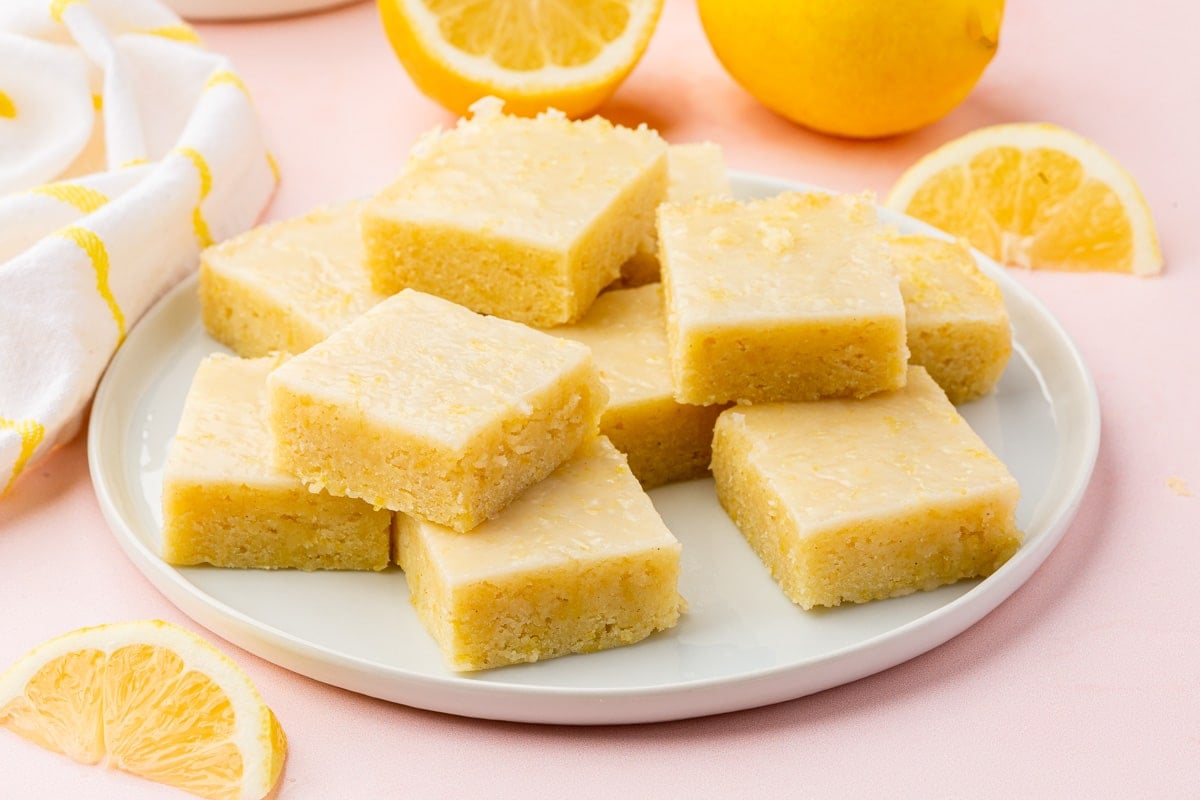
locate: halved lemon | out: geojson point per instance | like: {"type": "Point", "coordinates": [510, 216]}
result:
{"type": "Point", "coordinates": [1034, 195]}
{"type": "Point", "coordinates": [534, 54]}
{"type": "Point", "coordinates": [148, 698]}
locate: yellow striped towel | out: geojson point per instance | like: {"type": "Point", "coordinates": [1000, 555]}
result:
{"type": "Point", "coordinates": [125, 147]}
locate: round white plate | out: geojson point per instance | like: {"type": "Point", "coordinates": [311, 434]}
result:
{"type": "Point", "coordinates": [228, 10]}
{"type": "Point", "coordinates": [742, 644]}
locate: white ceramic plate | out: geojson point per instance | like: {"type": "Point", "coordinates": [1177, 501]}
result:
{"type": "Point", "coordinates": [742, 644]}
{"type": "Point", "coordinates": [227, 10]}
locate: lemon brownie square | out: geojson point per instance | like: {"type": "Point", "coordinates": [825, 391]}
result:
{"type": "Point", "coordinates": [286, 285]}
{"type": "Point", "coordinates": [693, 171]}
{"type": "Point", "coordinates": [526, 219]}
{"type": "Point", "coordinates": [664, 440]}
{"type": "Point", "coordinates": [788, 298]}
{"type": "Point", "coordinates": [425, 407]}
{"type": "Point", "coordinates": [856, 500]}
{"type": "Point", "coordinates": [225, 504]}
{"type": "Point", "coordinates": [958, 327]}
{"type": "Point", "coordinates": [580, 562]}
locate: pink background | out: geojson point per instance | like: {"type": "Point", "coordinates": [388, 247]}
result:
{"type": "Point", "coordinates": [1084, 683]}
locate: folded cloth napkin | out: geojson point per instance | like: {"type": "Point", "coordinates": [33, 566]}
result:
{"type": "Point", "coordinates": [125, 148]}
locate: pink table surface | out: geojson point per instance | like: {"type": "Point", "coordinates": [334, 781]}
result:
{"type": "Point", "coordinates": [1086, 683]}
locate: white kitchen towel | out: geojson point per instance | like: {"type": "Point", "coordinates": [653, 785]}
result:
{"type": "Point", "coordinates": [125, 148]}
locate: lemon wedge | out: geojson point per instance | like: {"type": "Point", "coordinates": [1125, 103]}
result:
{"type": "Point", "coordinates": [149, 698]}
{"type": "Point", "coordinates": [1034, 195]}
{"type": "Point", "coordinates": [565, 54]}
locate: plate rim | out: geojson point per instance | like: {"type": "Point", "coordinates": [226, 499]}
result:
{"type": "Point", "coordinates": [458, 694]}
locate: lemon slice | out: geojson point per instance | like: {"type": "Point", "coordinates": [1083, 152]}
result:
{"type": "Point", "coordinates": [1034, 195]}
{"type": "Point", "coordinates": [565, 54]}
{"type": "Point", "coordinates": [151, 699]}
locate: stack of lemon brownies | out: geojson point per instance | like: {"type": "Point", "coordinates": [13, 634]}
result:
{"type": "Point", "coordinates": [479, 372]}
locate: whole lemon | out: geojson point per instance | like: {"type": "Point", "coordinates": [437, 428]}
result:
{"type": "Point", "coordinates": [860, 68]}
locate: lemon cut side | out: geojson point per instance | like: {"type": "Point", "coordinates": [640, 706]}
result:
{"type": "Point", "coordinates": [565, 54]}
{"type": "Point", "coordinates": [151, 699]}
{"type": "Point", "coordinates": [1034, 195]}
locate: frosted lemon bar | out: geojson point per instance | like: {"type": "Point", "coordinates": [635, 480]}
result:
{"type": "Point", "coordinates": [580, 562]}
{"type": "Point", "coordinates": [856, 500]}
{"type": "Point", "coordinates": [665, 440]}
{"type": "Point", "coordinates": [425, 407]}
{"type": "Point", "coordinates": [957, 325]}
{"type": "Point", "coordinates": [526, 219]}
{"type": "Point", "coordinates": [788, 298]}
{"type": "Point", "coordinates": [225, 504]}
{"type": "Point", "coordinates": [693, 171]}
{"type": "Point", "coordinates": [287, 285]}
